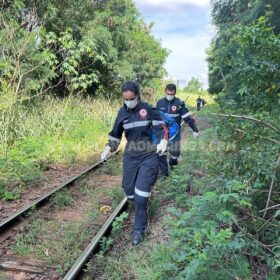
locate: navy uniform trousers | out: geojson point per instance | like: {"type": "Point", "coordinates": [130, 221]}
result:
{"type": "Point", "coordinates": [140, 162]}
{"type": "Point", "coordinates": [177, 110]}
{"type": "Point", "coordinates": [174, 148]}
{"type": "Point", "coordinates": [140, 174]}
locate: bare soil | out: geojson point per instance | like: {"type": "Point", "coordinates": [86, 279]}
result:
{"type": "Point", "coordinates": [157, 233]}
{"type": "Point", "coordinates": [85, 210]}
{"type": "Point", "coordinates": [51, 178]}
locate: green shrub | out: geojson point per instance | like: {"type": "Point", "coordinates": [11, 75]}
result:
{"type": "Point", "coordinates": [215, 229]}
{"type": "Point", "coordinates": [53, 131]}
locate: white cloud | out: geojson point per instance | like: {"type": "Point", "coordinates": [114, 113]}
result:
{"type": "Point", "coordinates": [184, 28]}
{"type": "Point", "coordinates": [175, 2]}
{"type": "Point", "coordinates": [172, 4]}
{"type": "Point", "coordinates": [188, 57]}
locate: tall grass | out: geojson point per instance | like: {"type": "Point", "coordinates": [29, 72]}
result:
{"type": "Point", "coordinates": [55, 131]}
{"type": "Point", "coordinates": [51, 131]}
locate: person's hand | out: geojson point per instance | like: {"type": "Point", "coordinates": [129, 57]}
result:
{"type": "Point", "coordinates": [195, 134]}
{"type": "Point", "coordinates": [106, 153]}
{"type": "Point", "coordinates": [162, 146]}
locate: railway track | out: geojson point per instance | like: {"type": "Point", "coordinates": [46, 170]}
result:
{"type": "Point", "coordinates": [35, 269]}
{"type": "Point", "coordinates": [42, 270]}
{"type": "Point", "coordinates": [91, 248]}
{"type": "Point", "coordinates": [4, 224]}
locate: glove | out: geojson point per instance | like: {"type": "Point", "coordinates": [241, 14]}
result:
{"type": "Point", "coordinates": [106, 153]}
{"type": "Point", "coordinates": [195, 134]}
{"type": "Point", "coordinates": [162, 146]}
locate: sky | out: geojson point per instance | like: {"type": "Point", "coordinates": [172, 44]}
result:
{"type": "Point", "coordinates": [184, 28]}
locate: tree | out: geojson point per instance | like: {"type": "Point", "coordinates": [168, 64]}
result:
{"type": "Point", "coordinates": [248, 72]}
{"type": "Point", "coordinates": [241, 71]}
{"type": "Point", "coordinates": [137, 54]}
{"type": "Point", "coordinates": [70, 47]}
{"type": "Point", "coordinates": [194, 85]}
{"type": "Point", "coordinates": [244, 75]}
{"type": "Point", "coordinates": [94, 45]}
{"type": "Point", "coordinates": [25, 71]}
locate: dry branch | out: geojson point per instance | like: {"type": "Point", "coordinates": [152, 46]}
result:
{"type": "Point", "coordinates": [270, 208]}
{"type": "Point", "coordinates": [249, 118]}
{"type": "Point", "coordinates": [271, 187]}
{"type": "Point", "coordinates": [265, 138]}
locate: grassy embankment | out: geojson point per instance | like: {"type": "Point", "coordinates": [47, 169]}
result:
{"type": "Point", "coordinates": [57, 131]}
{"type": "Point", "coordinates": [198, 228]}
{"type": "Point", "coordinates": [53, 131]}
{"type": "Point", "coordinates": [60, 237]}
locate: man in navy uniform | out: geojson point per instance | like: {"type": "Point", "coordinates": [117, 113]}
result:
{"type": "Point", "coordinates": [199, 101]}
{"type": "Point", "coordinates": [176, 109]}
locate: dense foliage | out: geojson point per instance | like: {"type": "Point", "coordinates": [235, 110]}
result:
{"type": "Point", "coordinates": [224, 221]}
{"type": "Point", "coordinates": [244, 58]}
{"type": "Point", "coordinates": [72, 49]}
{"type": "Point", "coordinates": [216, 229]}
{"type": "Point", "coordinates": [244, 64]}
{"type": "Point", "coordinates": [194, 85]}
{"type": "Point", "coordinates": [76, 46]}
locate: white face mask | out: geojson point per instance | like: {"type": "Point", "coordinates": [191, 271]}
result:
{"type": "Point", "coordinates": [170, 97]}
{"type": "Point", "coordinates": [131, 104]}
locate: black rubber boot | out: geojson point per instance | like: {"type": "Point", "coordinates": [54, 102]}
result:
{"type": "Point", "coordinates": [173, 162]}
{"type": "Point", "coordinates": [137, 237]}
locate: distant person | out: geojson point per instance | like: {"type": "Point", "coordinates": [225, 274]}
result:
{"type": "Point", "coordinates": [204, 102]}
{"type": "Point", "coordinates": [198, 103]}
{"type": "Point", "coordinates": [176, 109]}
{"type": "Point", "coordinates": [139, 121]}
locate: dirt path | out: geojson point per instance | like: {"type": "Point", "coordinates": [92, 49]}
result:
{"type": "Point", "coordinates": [48, 243]}
{"type": "Point", "coordinates": [122, 256]}
{"type": "Point", "coordinates": [51, 178]}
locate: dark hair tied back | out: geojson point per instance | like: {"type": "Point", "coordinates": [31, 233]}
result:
{"type": "Point", "coordinates": [132, 86]}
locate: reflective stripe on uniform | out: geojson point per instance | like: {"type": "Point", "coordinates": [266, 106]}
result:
{"type": "Point", "coordinates": [130, 196]}
{"type": "Point", "coordinates": [173, 157]}
{"type": "Point", "coordinates": [173, 115]}
{"type": "Point", "coordinates": [114, 139]}
{"type": "Point", "coordinates": [158, 123]}
{"type": "Point", "coordinates": [141, 193]}
{"type": "Point", "coordinates": [173, 137]}
{"type": "Point", "coordinates": [186, 115]}
{"type": "Point", "coordinates": [136, 124]}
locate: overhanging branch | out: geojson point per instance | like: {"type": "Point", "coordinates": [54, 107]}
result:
{"type": "Point", "coordinates": [249, 118]}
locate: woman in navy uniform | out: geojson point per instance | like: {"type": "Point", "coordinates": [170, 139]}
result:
{"type": "Point", "coordinates": [138, 120]}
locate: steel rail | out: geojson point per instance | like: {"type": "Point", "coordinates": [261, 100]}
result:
{"type": "Point", "coordinates": [7, 221]}
{"type": "Point", "coordinates": [91, 248]}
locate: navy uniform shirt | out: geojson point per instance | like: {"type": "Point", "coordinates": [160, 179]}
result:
{"type": "Point", "coordinates": [138, 124]}
{"type": "Point", "coordinates": [177, 110]}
